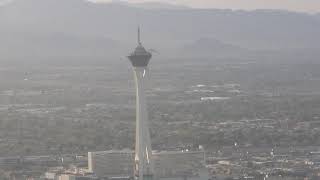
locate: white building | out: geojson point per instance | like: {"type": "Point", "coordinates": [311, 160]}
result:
{"type": "Point", "coordinates": [111, 163]}
{"type": "Point", "coordinates": [75, 177]}
{"type": "Point", "coordinates": [166, 163]}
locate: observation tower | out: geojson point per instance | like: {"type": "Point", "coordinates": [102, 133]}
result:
{"type": "Point", "coordinates": [143, 168]}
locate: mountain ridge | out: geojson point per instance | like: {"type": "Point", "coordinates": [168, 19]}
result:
{"type": "Point", "coordinates": [163, 29]}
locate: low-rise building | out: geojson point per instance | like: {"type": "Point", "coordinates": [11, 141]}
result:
{"type": "Point", "coordinates": [167, 163]}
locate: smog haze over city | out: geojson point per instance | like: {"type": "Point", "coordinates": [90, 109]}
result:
{"type": "Point", "coordinates": [211, 89]}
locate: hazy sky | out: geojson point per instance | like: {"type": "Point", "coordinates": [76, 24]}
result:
{"type": "Point", "coordinates": [293, 5]}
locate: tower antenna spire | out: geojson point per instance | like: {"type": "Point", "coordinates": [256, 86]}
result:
{"type": "Point", "coordinates": [139, 36]}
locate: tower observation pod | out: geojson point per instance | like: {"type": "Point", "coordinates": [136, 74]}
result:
{"type": "Point", "coordinates": [143, 167]}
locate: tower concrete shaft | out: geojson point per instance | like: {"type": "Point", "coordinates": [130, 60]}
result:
{"type": "Point", "coordinates": [143, 151]}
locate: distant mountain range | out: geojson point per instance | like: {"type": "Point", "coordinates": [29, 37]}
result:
{"type": "Point", "coordinates": [206, 47]}
{"type": "Point", "coordinates": [81, 28]}
{"type": "Point", "coordinates": [150, 5]}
